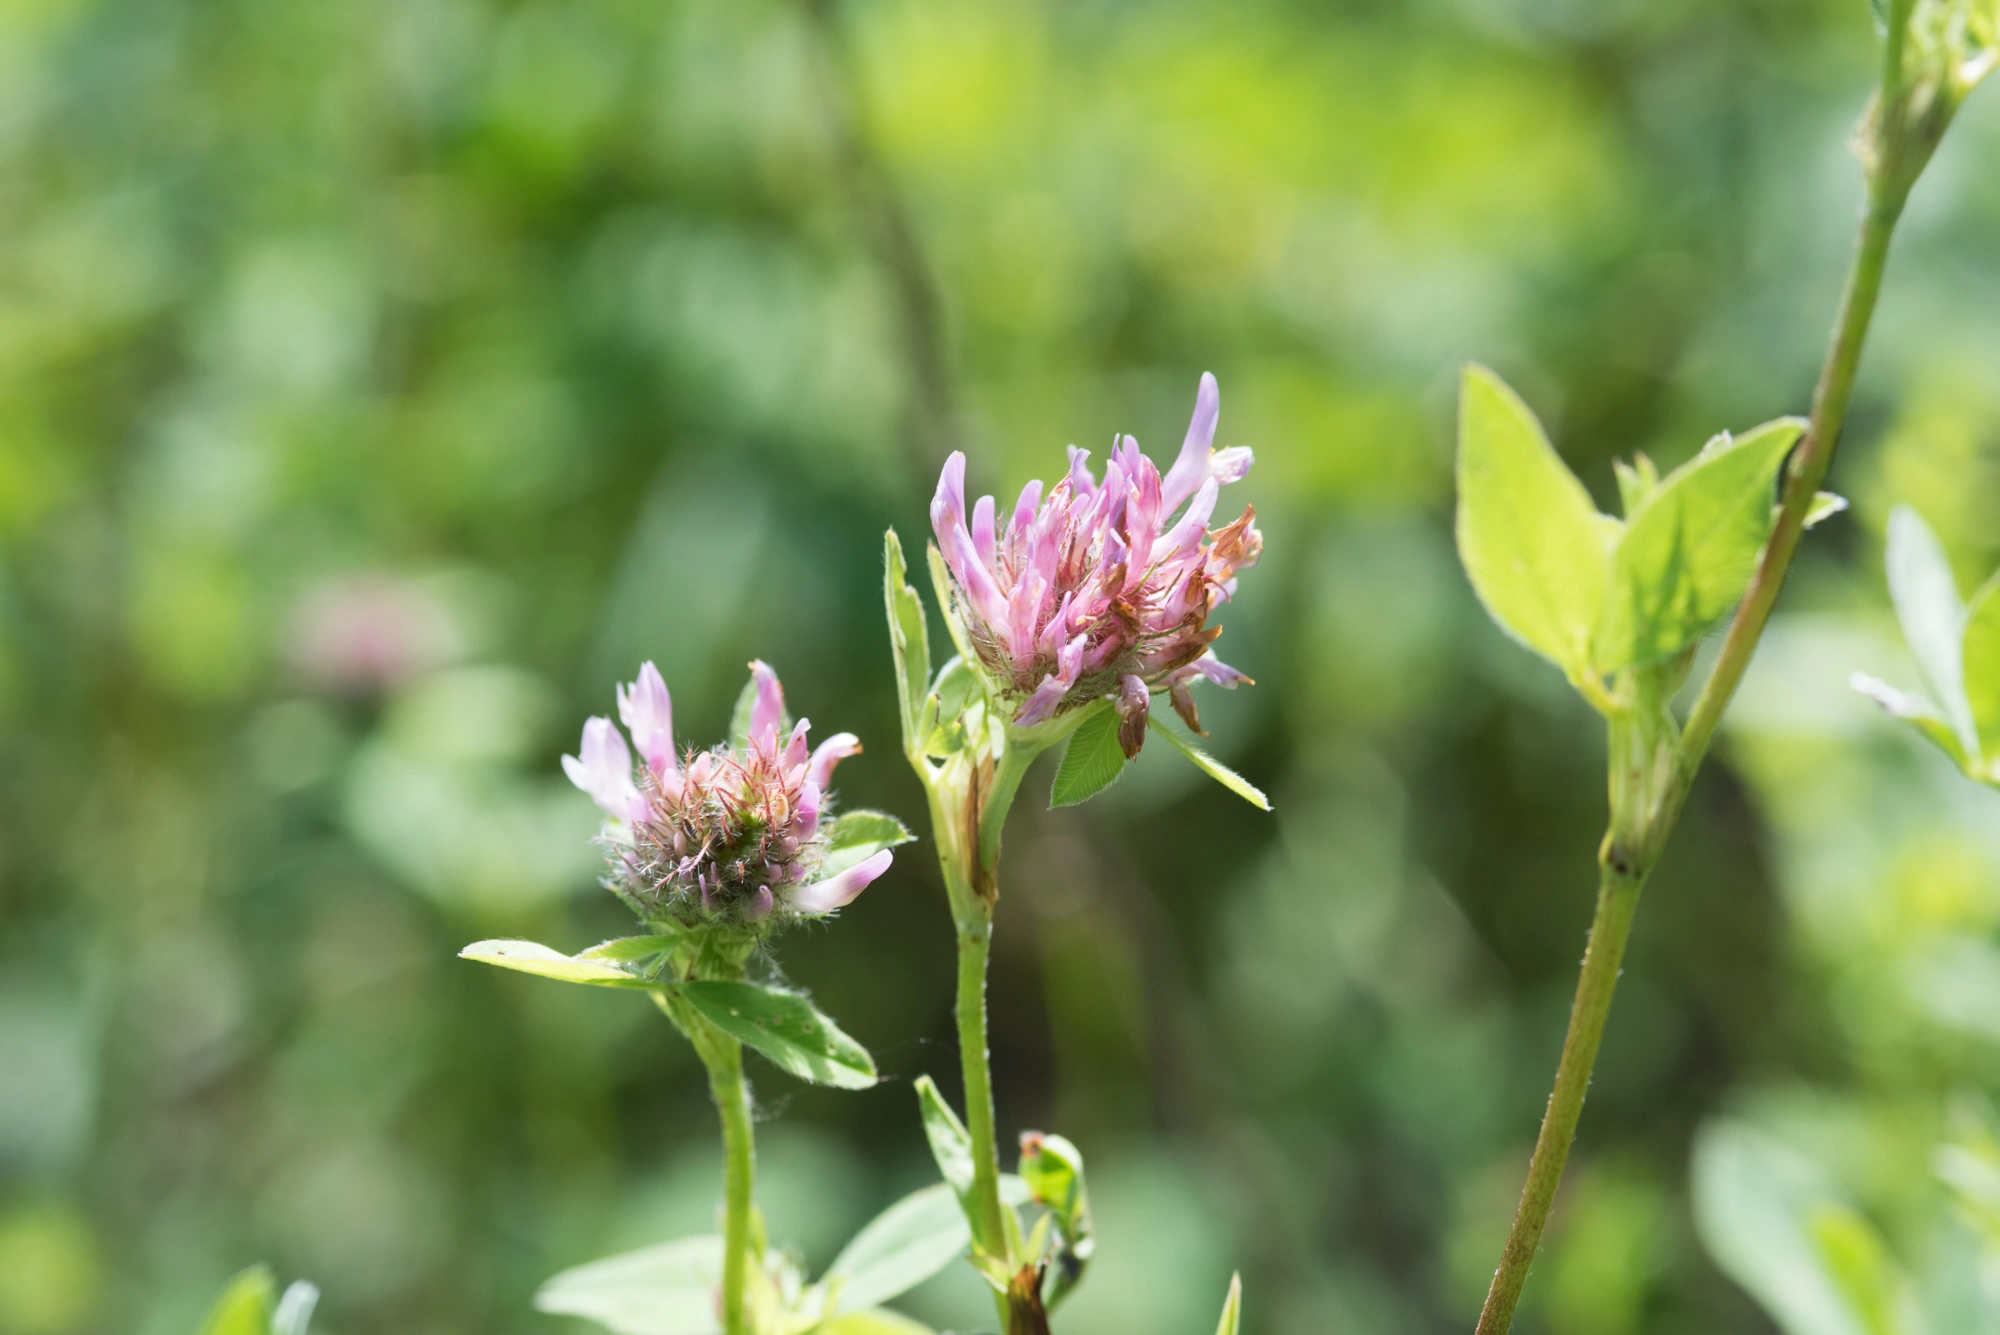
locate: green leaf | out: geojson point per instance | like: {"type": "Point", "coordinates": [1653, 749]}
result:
{"type": "Point", "coordinates": [1688, 552]}
{"type": "Point", "coordinates": [668, 1289]}
{"type": "Point", "coordinates": [1981, 665]}
{"type": "Point", "coordinates": [859, 835]}
{"type": "Point", "coordinates": [295, 1309]}
{"type": "Point", "coordinates": [900, 1248]}
{"type": "Point", "coordinates": [1232, 1307]}
{"type": "Point", "coordinates": [244, 1307]}
{"type": "Point", "coordinates": [951, 1144]}
{"type": "Point", "coordinates": [941, 585]}
{"type": "Point", "coordinates": [874, 1322]}
{"type": "Point", "coordinates": [1825, 505]}
{"type": "Point", "coordinates": [1214, 768]}
{"type": "Point", "coordinates": [629, 949]}
{"type": "Point", "coordinates": [1091, 759]}
{"type": "Point", "coordinates": [1857, 1258]}
{"type": "Point", "coordinates": [1919, 713]}
{"type": "Point", "coordinates": [909, 637]}
{"type": "Point", "coordinates": [1636, 481]}
{"type": "Point", "coordinates": [1531, 540]}
{"type": "Point", "coordinates": [1927, 603]}
{"type": "Point", "coordinates": [745, 710]}
{"type": "Point", "coordinates": [531, 957]}
{"type": "Point", "coordinates": [786, 1028]}
{"type": "Point", "coordinates": [1052, 1168]}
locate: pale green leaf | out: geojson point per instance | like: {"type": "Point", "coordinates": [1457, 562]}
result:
{"type": "Point", "coordinates": [1528, 534]}
{"type": "Point", "coordinates": [900, 1248]}
{"type": "Point", "coordinates": [531, 957]}
{"type": "Point", "coordinates": [1981, 666]}
{"type": "Point", "coordinates": [1919, 713]}
{"type": "Point", "coordinates": [951, 1144]}
{"type": "Point", "coordinates": [629, 949]}
{"type": "Point", "coordinates": [1825, 505]}
{"type": "Point", "coordinates": [295, 1309]}
{"type": "Point", "coordinates": [1214, 768]}
{"type": "Point", "coordinates": [859, 835]}
{"type": "Point", "coordinates": [909, 637]}
{"type": "Point", "coordinates": [1091, 759]}
{"type": "Point", "coordinates": [1933, 617]}
{"type": "Point", "coordinates": [244, 1307]}
{"type": "Point", "coordinates": [669, 1289]}
{"type": "Point", "coordinates": [1232, 1308]}
{"type": "Point", "coordinates": [874, 1322]}
{"type": "Point", "coordinates": [788, 1029]}
{"type": "Point", "coordinates": [1688, 552]}
{"type": "Point", "coordinates": [1859, 1262]}
{"type": "Point", "coordinates": [1636, 481]}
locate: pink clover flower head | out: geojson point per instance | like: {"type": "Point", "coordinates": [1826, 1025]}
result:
{"type": "Point", "coordinates": [1093, 589]}
{"type": "Point", "coordinates": [737, 833]}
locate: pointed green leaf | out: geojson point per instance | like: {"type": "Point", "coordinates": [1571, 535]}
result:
{"type": "Point", "coordinates": [859, 835]}
{"type": "Point", "coordinates": [951, 1144]}
{"type": "Point", "coordinates": [1232, 1307]}
{"type": "Point", "coordinates": [1859, 1263]}
{"type": "Point", "coordinates": [1528, 534]}
{"type": "Point", "coordinates": [909, 637]}
{"type": "Point", "coordinates": [531, 957]}
{"type": "Point", "coordinates": [1825, 505]}
{"type": "Point", "coordinates": [786, 1028]}
{"type": "Point", "coordinates": [295, 1309]}
{"type": "Point", "coordinates": [244, 1307]}
{"type": "Point", "coordinates": [1636, 481]}
{"type": "Point", "coordinates": [1091, 759]}
{"type": "Point", "coordinates": [900, 1248]}
{"type": "Point", "coordinates": [1919, 713]}
{"type": "Point", "coordinates": [664, 1290]}
{"type": "Point", "coordinates": [1981, 665]}
{"type": "Point", "coordinates": [629, 949]}
{"type": "Point", "coordinates": [1212, 767]}
{"type": "Point", "coordinates": [1689, 551]}
{"type": "Point", "coordinates": [1927, 603]}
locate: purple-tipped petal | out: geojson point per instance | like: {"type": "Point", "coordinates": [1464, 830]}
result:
{"type": "Point", "coordinates": [604, 770]}
{"type": "Point", "coordinates": [768, 712]}
{"type": "Point", "coordinates": [1219, 672]}
{"type": "Point", "coordinates": [1192, 466]}
{"type": "Point", "coordinates": [830, 753]}
{"type": "Point", "coordinates": [839, 890]}
{"type": "Point", "coordinates": [948, 504]}
{"type": "Point", "coordinates": [795, 748]}
{"type": "Point", "coordinates": [648, 711]}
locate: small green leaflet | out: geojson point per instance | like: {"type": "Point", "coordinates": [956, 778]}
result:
{"type": "Point", "coordinates": [629, 949]}
{"type": "Point", "coordinates": [859, 835]}
{"type": "Point", "coordinates": [244, 1307]}
{"type": "Point", "coordinates": [784, 1026]}
{"type": "Point", "coordinates": [1212, 767]}
{"type": "Point", "coordinates": [1689, 550]}
{"type": "Point", "coordinates": [1531, 541]}
{"type": "Point", "coordinates": [909, 637]}
{"type": "Point", "coordinates": [1232, 1307]}
{"type": "Point", "coordinates": [1091, 759]}
{"type": "Point", "coordinates": [951, 1145]}
{"type": "Point", "coordinates": [900, 1248]}
{"type": "Point", "coordinates": [532, 957]}
{"type": "Point", "coordinates": [876, 1321]}
{"type": "Point", "coordinates": [1918, 713]}
{"type": "Point", "coordinates": [668, 1289]}
{"type": "Point", "coordinates": [1927, 603]}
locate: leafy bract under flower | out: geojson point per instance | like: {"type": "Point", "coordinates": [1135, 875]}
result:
{"type": "Point", "coordinates": [738, 833]}
{"type": "Point", "coordinates": [1100, 589]}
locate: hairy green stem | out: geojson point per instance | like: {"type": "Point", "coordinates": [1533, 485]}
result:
{"type": "Point", "coordinates": [732, 1101]}
{"type": "Point", "coordinates": [1617, 901]}
{"type": "Point", "coordinates": [975, 944]}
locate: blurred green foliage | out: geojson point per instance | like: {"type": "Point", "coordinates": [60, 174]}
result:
{"type": "Point", "coordinates": [383, 378]}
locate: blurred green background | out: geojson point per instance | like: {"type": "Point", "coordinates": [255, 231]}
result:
{"type": "Point", "coordinates": [380, 380]}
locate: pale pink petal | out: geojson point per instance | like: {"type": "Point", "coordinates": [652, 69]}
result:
{"type": "Point", "coordinates": [604, 770]}
{"type": "Point", "coordinates": [648, 711]}
{"type": "Point", "coordinates": [830, 753]}
{"type": "Point", "coordinates": [795, 748]}
{"type": "Point", "coordinates": [1231, 465]}
{"type": "Point", "coordinates": [768, 711]}
{"type": "Point", "coordinates": [1191, 468]}
{"type": "Point", "coordinates": [948, 504]}
{"type": "Point", "coordinates": [839, 890]}
{"type": "Point", "coordinates": [1024, 509]}
{"type": "Point", "coordinates": [982, 529]}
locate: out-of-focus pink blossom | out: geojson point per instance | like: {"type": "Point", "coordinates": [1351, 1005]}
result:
{"type": "Point", "coordinates": [1101, 589]}
{"type": "Point", "coordinates": [737, 832]}
{"type": "Point", "coordinates": [370, 632]}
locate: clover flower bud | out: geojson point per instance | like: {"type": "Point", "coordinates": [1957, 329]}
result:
{"type": "Point", "coordinates": [1094, 589]}
{"type": "Point", "coordinates": [737, 833]}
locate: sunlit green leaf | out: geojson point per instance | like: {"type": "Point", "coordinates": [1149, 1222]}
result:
{"type": "Point", "coordinates": [859, 835]}
{"type": "Point", "coordinates": [787, 1028]}
{"type": "Point", "coordinates": [909, 637]}
{"type": "Point", "coordinates": [1232, 1308]}
{"type": "Point", "coordinates": [1981, 665]}
{"type": "Point", "coordinates": [900, 1248]}
{"type": "Point", "coordinates": [1825, 505]}
{"type": "Point", "coordinates": [1688, 552]}
{"type": "Point", "coordinates": [1091, 759]}
{"type": "Point", "coordinates": [951, 1144]}
{"type": "Point", "coordinates": [244, 1307]}
{"type": "Point", "coordinates": [532, 957]}
{"type": "Point", "coordinates": [1528, 534]}
{"type": "Point", "coordinates": [1214, 768]}
{"type": "Point", "coordinates": [629, 949]}
{"type": "Point", "coordinates": [1920, 714]}
{"type": "Point", "coordinates": [1855, 1255]}
{"type": "Point", "coordinates": [1933, 618]}
{"type": "Point", "coordinates": [875, 1322]}
{"type": "Point", "coordinates": [1636, 481]}
{"type": "Point", "coordinates": [669, 1289]}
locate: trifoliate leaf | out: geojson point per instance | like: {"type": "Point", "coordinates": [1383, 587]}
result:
{"type": "Point", "coordinates": [1688, 552]}
{"type": "Point", "coordinates": [1091, 760]}
{"type": "Point", "coordinates": [1214, 768]}
{"type": "Point", "coordinates": [1528, 534]}
{"type": "Point", "coordinates": [532, 957]}
{"type": "Point", "coordinates": [788, 1029]}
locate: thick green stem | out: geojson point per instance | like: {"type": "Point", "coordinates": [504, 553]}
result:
{"type": "Point", "coordinates": [1617, 900]}
{"type": "Point", "coordinates": [975, 943]}
{"type": "Point", "coordinates": [732, 1101]}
